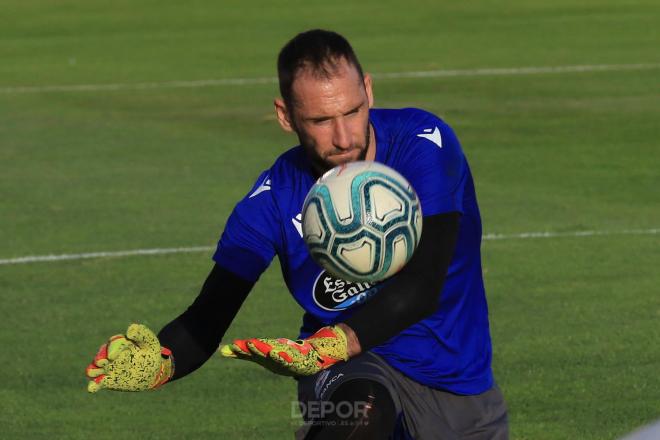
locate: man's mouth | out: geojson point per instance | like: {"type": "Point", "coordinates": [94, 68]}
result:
{"type": "Point", "coordinates": [344, 153]}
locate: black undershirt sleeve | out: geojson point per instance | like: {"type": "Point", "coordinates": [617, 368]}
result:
{"type": "Point", "coordinates": [414, 293]}
{"type": "Point", "coordinates": [195, 335]}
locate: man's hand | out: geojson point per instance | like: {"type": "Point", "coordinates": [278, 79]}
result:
{"type": "Point", "coordinates": [131, 362]}
{"type": "Point", "coordinates": [293, 358]}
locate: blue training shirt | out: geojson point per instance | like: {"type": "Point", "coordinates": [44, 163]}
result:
{"type": "Point", "coordinates": [450, 350]}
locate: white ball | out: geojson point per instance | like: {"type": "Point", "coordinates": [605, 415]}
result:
{"type": "Point", "coordinates": [362, 221]}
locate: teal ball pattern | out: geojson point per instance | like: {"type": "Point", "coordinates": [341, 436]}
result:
{"type": "Point", "coordinates": [363, 226]}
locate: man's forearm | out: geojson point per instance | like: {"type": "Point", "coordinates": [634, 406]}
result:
{"type": "Point", "coordinates": [412, 294]}
{"type": "Point", "coordinates": [194, 336]}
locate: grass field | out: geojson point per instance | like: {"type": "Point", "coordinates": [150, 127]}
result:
{"type": "Point", "coordinates": [574, 318]}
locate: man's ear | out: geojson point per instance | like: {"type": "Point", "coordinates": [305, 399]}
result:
{"type": "Point", "coordinates": [283, 116]}
{"type": "Point", "coordinates": [367, 88]}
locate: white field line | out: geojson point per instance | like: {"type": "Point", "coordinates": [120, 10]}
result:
{"type": "Point", "coordinates": [525, 235]}
{"type": "Point", "coordinates": [181, 250]}
{"type": "Point", "coordinates": [115, 254]}
{"type": "Point", "coordinates": [273, 80]}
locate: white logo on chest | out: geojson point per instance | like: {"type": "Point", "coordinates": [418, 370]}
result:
{"type": "Point", "coordinates": [297, 223]}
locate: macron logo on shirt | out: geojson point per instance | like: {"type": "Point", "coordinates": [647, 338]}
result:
{"type": "Point", "coordinates": [265, 186]}
{"type": "Point", "coordinates": [297, 223]}
{"type": "Point", "coordinates": [433, 135]}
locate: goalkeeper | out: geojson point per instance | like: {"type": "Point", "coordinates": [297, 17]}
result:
{"type": "Point", "coordinates": [413, 361]}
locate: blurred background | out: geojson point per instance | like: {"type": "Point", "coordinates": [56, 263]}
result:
{"type": "Point", "coordinates": [137, 125]}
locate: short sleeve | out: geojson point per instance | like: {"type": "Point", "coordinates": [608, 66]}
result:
{"type": "Point", "coordinates": [249, 241]}
{"type": "Point", "coordinates": [434, 164]}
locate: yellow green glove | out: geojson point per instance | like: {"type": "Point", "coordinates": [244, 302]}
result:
{"type": "Point", "coordinates": [131, 362]}
{"type": "Point", "coordinates": [303, 357]}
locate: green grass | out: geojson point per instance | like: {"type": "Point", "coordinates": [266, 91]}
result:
{"type": "Point", "coordinates": [574, 320]}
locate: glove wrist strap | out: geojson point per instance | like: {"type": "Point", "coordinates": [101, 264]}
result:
{"type": "Point", "coordinates": [166, 369]}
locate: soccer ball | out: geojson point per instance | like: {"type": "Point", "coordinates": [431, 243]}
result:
{"type": "Point", "coordinates": [362, 221]}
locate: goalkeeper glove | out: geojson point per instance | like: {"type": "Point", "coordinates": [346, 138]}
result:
{"type": "Point", "coordinates": [303, 357]}
{"type": "Point", "coordinates": [131, 362]}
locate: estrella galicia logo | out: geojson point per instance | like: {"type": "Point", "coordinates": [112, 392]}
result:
{"type": "Point", "coordinates": [334, 294]}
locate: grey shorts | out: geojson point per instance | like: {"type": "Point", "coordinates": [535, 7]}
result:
{"type": "Point", "coordinates": [423, 412]}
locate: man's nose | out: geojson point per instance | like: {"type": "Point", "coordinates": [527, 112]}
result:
{"type": "Point", "coordinates": [341, 135]}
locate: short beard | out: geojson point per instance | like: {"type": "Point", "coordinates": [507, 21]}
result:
{"type": "Point", "coordinates": [367, 138]}
{"type": "Point", "coordinates": [320, 166]}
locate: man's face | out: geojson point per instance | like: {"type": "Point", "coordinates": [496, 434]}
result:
{"type": "Point", "coordinates": [331, 116]}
